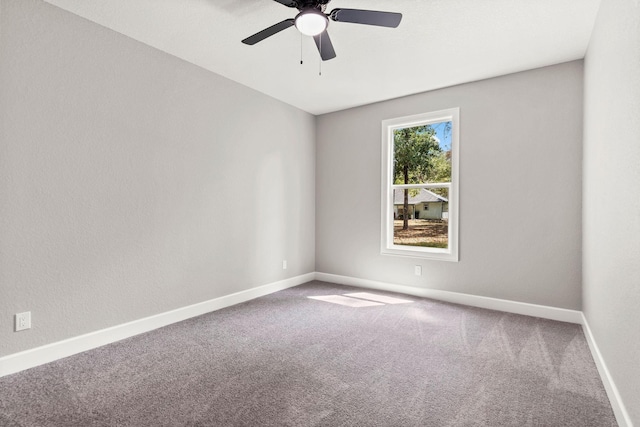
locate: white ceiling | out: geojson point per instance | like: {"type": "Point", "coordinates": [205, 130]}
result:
{"type": "Point", "coordinates": [439, 43]}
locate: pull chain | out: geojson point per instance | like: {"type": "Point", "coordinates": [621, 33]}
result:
{"type": "Point", "coordinates": [300, 48]}
{"type": "Point", "coordinates": [320, 64]}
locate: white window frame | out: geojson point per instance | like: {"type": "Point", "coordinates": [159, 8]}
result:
{"type": "Point", "coordinates": [388, 127]}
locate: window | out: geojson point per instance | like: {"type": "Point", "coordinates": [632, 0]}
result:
{"type": "Point", "coordinates": [420, 177]}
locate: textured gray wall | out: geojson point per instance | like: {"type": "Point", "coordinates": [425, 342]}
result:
{"type": "Point", "coordinates": [611, 209]}
{"type": "Point", "coordinates": [132, 183]}
{"type": "Point", "coordinates": [520, 189]}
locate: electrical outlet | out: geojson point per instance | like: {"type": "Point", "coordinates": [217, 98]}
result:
{"type": "Point", "coordinates": [284, 264]}
{"type": "Point", "coordinates": [23, 321]}
{"type": "Point", "coordinates": [418, 270]}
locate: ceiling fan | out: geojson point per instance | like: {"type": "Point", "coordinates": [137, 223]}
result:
{"type": "Point", "coordinates": [312, 21]}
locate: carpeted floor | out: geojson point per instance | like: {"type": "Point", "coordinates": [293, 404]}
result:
{"type": "Point", "coordinates": [290, 360]}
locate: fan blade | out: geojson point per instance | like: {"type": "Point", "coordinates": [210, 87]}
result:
{"type": "Point", "coordinates": [325, 47]}
{"type": "Point", "coordinates": [268, 32]}
{"type": "Point", "coordinates": [288, 3]}
{"type": "Point", "coordinates": [369, 17]}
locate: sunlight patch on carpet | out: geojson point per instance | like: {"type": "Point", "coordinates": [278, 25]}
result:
{"type": "Point", "coordinates": [350, 302]}
{"type": "Point", "coordinates": [379, 298]}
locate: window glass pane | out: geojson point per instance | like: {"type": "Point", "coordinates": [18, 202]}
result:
{"type": "Point", "coordinates": [426, 222]}
{"type": "Point", "coordinates": [422, 154]}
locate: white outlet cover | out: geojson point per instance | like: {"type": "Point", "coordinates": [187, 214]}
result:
{"type": "Point", "coordinates": [284, 264]}
{"type": "Point", "coordinates": [23, 321]}
{"type": "Point", "coordinates": [418, 270]}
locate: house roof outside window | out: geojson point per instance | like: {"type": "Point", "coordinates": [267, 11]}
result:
{"type": "Point", "coordinates": [424, 196]}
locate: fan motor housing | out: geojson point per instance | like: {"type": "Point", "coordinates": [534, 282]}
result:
{"type": "Point", "coordinates": [321, 5]}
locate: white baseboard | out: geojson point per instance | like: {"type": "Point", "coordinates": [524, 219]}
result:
{"type": "Point", "coordinates": [48, 353]}
{"type": "Point", "coordinates": [542, 311]}
{"type": "Point", "coordinates": [619, 410]}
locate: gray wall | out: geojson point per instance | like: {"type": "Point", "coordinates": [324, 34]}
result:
{"type": "Point", "coordinates": [611, 208]}
{"type": "Point", "coordinates": [521, 154]}
{"type": "Point", "coordinates": [130, 180]}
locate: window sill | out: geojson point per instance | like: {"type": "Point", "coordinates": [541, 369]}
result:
{"type": "Point", "coordinates": [423, 253]}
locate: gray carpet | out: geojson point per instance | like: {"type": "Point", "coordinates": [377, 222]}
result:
{"type": "Point", "coordinates": [289, 360]}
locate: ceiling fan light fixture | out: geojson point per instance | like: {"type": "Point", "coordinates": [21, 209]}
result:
{"type": "Point", "coordinates": [311, 22]}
